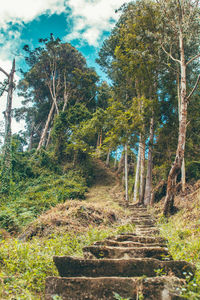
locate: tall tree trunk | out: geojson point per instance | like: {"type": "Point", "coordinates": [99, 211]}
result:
{"type": "Point", "coordinates": [142, 171]}
{"type": "Point", "coordinates": [121, 162]}
{"type": "Point", "coordinates": [137, 172]}
{"type": "Point", "coordinates": [148, 188]}
{"type": "Point", "coordinates": [175, 169]}
{"type": "Point", "coordinates": [126, 172]}
{"type": "Point", "coordinates": [6, 165]}
{"type": "Point", "coordinates": [49, 138]}
{"type": "Point", "coordinates": [44, 133]}
{"type": "Point", "coordinates": [108, 158]}
{"type": "Point", "coordinates": [183, 173]}
{"type": "Point", "coordinates": [115, 163]}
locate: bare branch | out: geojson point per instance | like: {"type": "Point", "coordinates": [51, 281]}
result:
{"type": "Point", "coordinates": [3, 71]}
{"type": "Point", "coordinates": [193, 58]}
{"type": "Point", "coordinates": [169, 54]}
{"type": "Point", "coordinates": [194, 88]}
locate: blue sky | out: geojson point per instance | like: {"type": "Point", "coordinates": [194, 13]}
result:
{"type": "Point", "coordinates": [83, 23]}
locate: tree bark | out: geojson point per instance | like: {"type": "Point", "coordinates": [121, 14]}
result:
{"type": "Point", "coordinates": [44, 133]}
{"type": "Point", "coordinates": [176, 167]}
{"type": "Point", "coordinates": [148, 188]}
{"type": "Point", "coordinates": [183, 176]}
{"type": "Point", "coordinates": [6, 165]}
{"type": "Point", "coordinates": [108, 158]}
{"type": "Point", "coordinates": [126, 172]}
{"type": "Point", "coordinates": [136, 184]}
{"type": "Point", "coordinates": [142, 171]}
{"type": "Point", "coordinates": [183, 173]}
{"type": "Point", "coordinates": [115, 163]}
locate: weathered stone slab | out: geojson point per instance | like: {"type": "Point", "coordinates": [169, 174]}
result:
{"type": "Point", "coordinates": [147, 231]}
{"type": "Point", "coordinates": [103, 288]}
{"type": "Point", "coordinates": [144, 221]}
{"type": "Point", "coordinates": [75, 267]}
{"type": "Point", "coordinates": [127, 244]}
{"type": "Point", "coordinates": [139, 238]}
{"type": "Point", "coordinates": [100, 252]}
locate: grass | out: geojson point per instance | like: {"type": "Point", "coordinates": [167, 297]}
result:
{"type": "Point", "coordinates": [25, 265]}
{"type": "Point", "coordinates": [183, 234]}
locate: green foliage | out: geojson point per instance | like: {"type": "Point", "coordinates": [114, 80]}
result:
{"type": "Point", "coordinates": [184, 244]}
{"type": "Point", "coordinates": [118, 297]}
{"type": "Point", "coordinates": [25, 265]}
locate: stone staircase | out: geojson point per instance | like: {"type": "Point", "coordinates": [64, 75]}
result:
{"type": "Point", "coordinates": [135, 266]}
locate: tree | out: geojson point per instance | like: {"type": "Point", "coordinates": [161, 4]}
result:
{"type": "Point", "coordinates": [58, 77]}
{"type": "Point", "coordinates": [180, 27]}
{"type": "Point", "coordinates": [6, 165]}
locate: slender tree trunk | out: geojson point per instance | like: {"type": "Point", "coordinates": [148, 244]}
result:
{"type": "Point", "coordinates": [115, 163]}
{"type": "Point", "coordinates": [183, 175]}
{"type": "Point", "coordinates": [126, 172]}
{"type": "Point", "coordinates": [6, 165]}
{"type": "Point", "coordinates": [44, 133]}
{"type": "Point", "coordinates": [121, 162]}
{"type": "Point", "coordinates": [137, 172]}
{"type": "Point", "coordinates": [148, 188]}
{"type": "Point", "coordinates": [49, 138]}
{"type": "Point", "coordinates": [108, 158]}
{"type": "Point", "coordinates": [176, 167]}
{"type": "Point", "coordinates": [142, 171]}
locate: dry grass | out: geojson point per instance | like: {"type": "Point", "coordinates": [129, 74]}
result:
{"type": "Point", "coordinates": [100, 209]}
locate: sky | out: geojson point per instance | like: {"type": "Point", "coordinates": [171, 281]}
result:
{"type": "Point", "coordinates": [83, 23]}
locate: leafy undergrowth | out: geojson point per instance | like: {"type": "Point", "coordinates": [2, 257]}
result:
{"type": "Point", "coordinates": [183, 234]}
{"type": "Point", "coordinates": [41, 194]}
{"type": "Point", "coordinates": [25, 265]}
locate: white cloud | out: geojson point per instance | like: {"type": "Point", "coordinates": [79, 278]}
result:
{"type": "Point", "coordinates": [26, 10]}
{"type": "Point", "coordinates": [92, 18]}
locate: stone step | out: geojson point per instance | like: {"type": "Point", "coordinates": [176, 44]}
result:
{"type": "Point", "coordinates": [103, 288]}
{"type": "Point", "coordinates": [144, 226]}
{"type": "Point", "coordinates": [92, 252]}
{"type": "Point", "coordinates": [147, 231]}
{"type": "Point", "coordinates": [75, 267]}
{"type": "Point", "coordinates": [138, 238]}
{"type": "Point", "coordinates": [144, 221]}
{"type": "Point", "coordinates": [141, 215]}
{"type": "Point", "coordinates": [127, 244]}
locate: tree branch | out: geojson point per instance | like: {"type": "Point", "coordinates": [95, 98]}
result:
{"type": "Point", "coordinates": [3, 71]}
{"type": "Point", "coordinates": [193, 58]}
{"type": "Point", "coordinates": [169, 54]}
{"type": "Point", "coordinates": [194, 88]}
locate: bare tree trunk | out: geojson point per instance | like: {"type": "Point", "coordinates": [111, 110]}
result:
{"type": "Point", "coordinates": [148, 188]}
{"type": "Point", "coordinates": [44, 133]}
{"type": "Point", "coordinates": [121, 162]}
{"type": "Point", "coordinates": [6, 165]}
{"type": "Point", "coordinates": [49, 138]}
{"type": "Point", "coordinates": [31, 136]}
{"type": "Point", "coordinates": [126, 172]}
{"type": "Point", "coordinates": [115, 163]}
{"type": "Point", "coordinates": [137, 172]}
{"type": "Point", "coordinates": [142, 171]}
{"type": "Point", "coordinates": [175, 169]}
{"type": "Point", "coordinates": [183, 175]}
{"type": "Point", "coordinates": [108, 158]}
